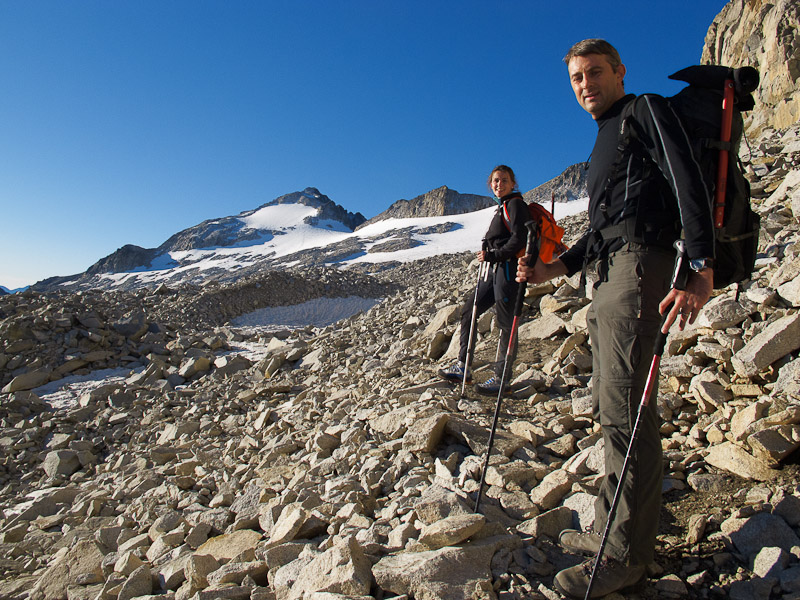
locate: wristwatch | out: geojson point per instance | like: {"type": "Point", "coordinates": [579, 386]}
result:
{"type": "Point", "coordinates": [698, 265]}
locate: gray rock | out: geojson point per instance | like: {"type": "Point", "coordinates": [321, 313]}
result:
{"type": "Point", "coordinates": [732, 458]}
{"type": "Point", "coordinates": [770, 562]}
{"type": "Point", "coordinates": [672, 587]}
{"type": "Point", "coordinates": [724, 312]}
{"type": "Point", "coordinates": [85, 557]}
{"type": "Point", "coordinates": [230, 545]}
{"type": "Point", "coordinates": [549, 523]}
{"type": "Point", "coordinates": [139, 583]}
{"type": "Point", "coordinates": [61, 462]}
{"type": "Point", "coordinates": [748, 534]}
{"type": "Point", "coordinates": [777, 340]}
{"type": "Point", "coordinates": [450, 573]}
{"type": "Point", "coordinates": [788, 382]}
{"type": "Point", "coordinates": [451, 530]}
{"type": "Point", "coordinates": [28, 381]}
{"type": "Point", "coordinates": [582, 507]}
{"type": "Point", "coordinates": [424, 434]}
{"type": "Point", "coordinates": [707, 482]}
{"type": "Point", "coordinates": [752, 589]}
{"type": "Point", "coordinates": [542, 328]}
{"type": "Point", "coordinates": [552, 489]}
{"type": "Point", "coordinates": [343, 569]}
{"type": "Point", "coordinates": [787, 505]}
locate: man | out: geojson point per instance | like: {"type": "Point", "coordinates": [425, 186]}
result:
{"type": "Point", "coordinates": [639, 202]}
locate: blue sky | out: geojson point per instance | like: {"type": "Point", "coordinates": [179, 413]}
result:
{"type": "Point", "coordinates": [125, 122]}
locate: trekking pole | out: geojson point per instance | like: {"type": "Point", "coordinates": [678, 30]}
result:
{"type": "Point", "coordinates": [679, 278]}
{"type": "Point", "coordinates": [483, 270]}
{"type": "Point", "coordinates": [530, 250]}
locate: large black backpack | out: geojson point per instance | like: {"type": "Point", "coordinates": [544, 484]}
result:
{"type": "Point", "coordinates": [700, 108]}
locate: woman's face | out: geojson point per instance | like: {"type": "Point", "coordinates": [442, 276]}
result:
{"type": "Point", "coordinates": [501, 184]}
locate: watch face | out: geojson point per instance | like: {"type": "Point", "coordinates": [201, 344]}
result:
{"type": "Point", "coordinates": [699, 264]}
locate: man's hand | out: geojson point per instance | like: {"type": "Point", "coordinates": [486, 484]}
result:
{"type": "Point", "coordinates": [540, 271]}
{"type": "Point", "coordinates": [687, 303]}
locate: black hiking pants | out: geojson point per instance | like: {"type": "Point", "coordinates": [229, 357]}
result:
{"type": "Point", "coordinates": [498, 290]}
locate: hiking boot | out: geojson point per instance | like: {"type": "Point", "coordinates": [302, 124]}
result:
{"type": "Point", "coordinates": [612, 576]}
{"type": "Point", "coordinates": [579, 542]}
{"type": "Point", "coordinates": [490, 387]}
{"type": "Point", "coordinates": [455, 373]}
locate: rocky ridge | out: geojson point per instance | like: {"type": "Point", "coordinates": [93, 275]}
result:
{"type": "Point", "coordinates": [213, 233]}
{"type": "Point", "coordinates": [49, 336]}
{"type": "Point", "coordinates": [338, 466]}
{"type": "Point", "coordinates": [762, 34]}
{"type": "Point", "coordinates": [569, 185]}
{"type": "Point", "coordinates": [134, 267]}
{"type": "Point", "coordinates": [436, 203]}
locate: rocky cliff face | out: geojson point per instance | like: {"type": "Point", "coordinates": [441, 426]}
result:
{"type": "Point", "coordinates": [329, 210]}
{"type": "Point", "coordinates": [127, 258]}
{"type": "Point", "coordinates": [436, 203]}
{"type": "Point", "coordinates": [762, 34]}
{"type": "Point", "coordinates": [569, 185]}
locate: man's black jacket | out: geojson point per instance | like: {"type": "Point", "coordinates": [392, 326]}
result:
{"type": "Point", "coordinates": [665, 161]}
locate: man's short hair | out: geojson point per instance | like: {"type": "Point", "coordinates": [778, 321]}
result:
{"type": "Point", "coordinates": [595, 46]}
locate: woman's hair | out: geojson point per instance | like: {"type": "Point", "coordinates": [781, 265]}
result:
{"type": "Point", "coordinates": [502, 169]}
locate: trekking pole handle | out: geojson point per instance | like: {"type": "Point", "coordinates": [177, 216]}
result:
{"type": "Point", "coordinates": [530, 250]}
{"type": "Point", "coordinates": [680, 276]}
{"type": "Point", "coordinates": [533, 237]}
{"type": "Point", "coordinates": [661, 338]}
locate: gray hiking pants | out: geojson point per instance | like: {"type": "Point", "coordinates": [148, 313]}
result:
{"type": "Point", "coordinates": [623, 324]}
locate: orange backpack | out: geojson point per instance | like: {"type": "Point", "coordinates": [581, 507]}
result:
{"type": "Point", "coordinates": [550, 233]}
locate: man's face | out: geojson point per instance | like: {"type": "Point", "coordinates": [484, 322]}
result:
{"type": "Point", "coordinates": [595, 83]}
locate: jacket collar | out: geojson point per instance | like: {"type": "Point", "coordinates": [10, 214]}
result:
{"type": "Point", "coordinates": [507, 197]}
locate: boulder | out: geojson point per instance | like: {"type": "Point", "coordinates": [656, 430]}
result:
{"type": "Point", "coordinates": [776, 341]}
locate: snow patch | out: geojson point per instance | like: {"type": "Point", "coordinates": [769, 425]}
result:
{"type": "Point", "coordinates": [65, 393]}
{"type": "Point", "coordinates": [279, 216]}
{"type": "Point", "coordinates": [319, 312]}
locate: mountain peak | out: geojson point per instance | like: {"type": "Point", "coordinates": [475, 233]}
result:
{"type": "Point", "coordinates": [329, 210]}
{"type": "Point", "coordinates": [438, 202]}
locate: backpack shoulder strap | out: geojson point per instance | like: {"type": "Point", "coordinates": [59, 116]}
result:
{"type": "Point", "coordinates": [632, 140]}
{"type": "Point", "coordinates": [625, 136]}
{"type": "Point", "coordinates": [506, 216]}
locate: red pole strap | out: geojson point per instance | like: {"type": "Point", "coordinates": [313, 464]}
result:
{"type": "Point", "coordinates": [722, 169]}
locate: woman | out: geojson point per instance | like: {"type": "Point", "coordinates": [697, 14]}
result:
{"type": "Point", "coordinates": [504, 241]}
